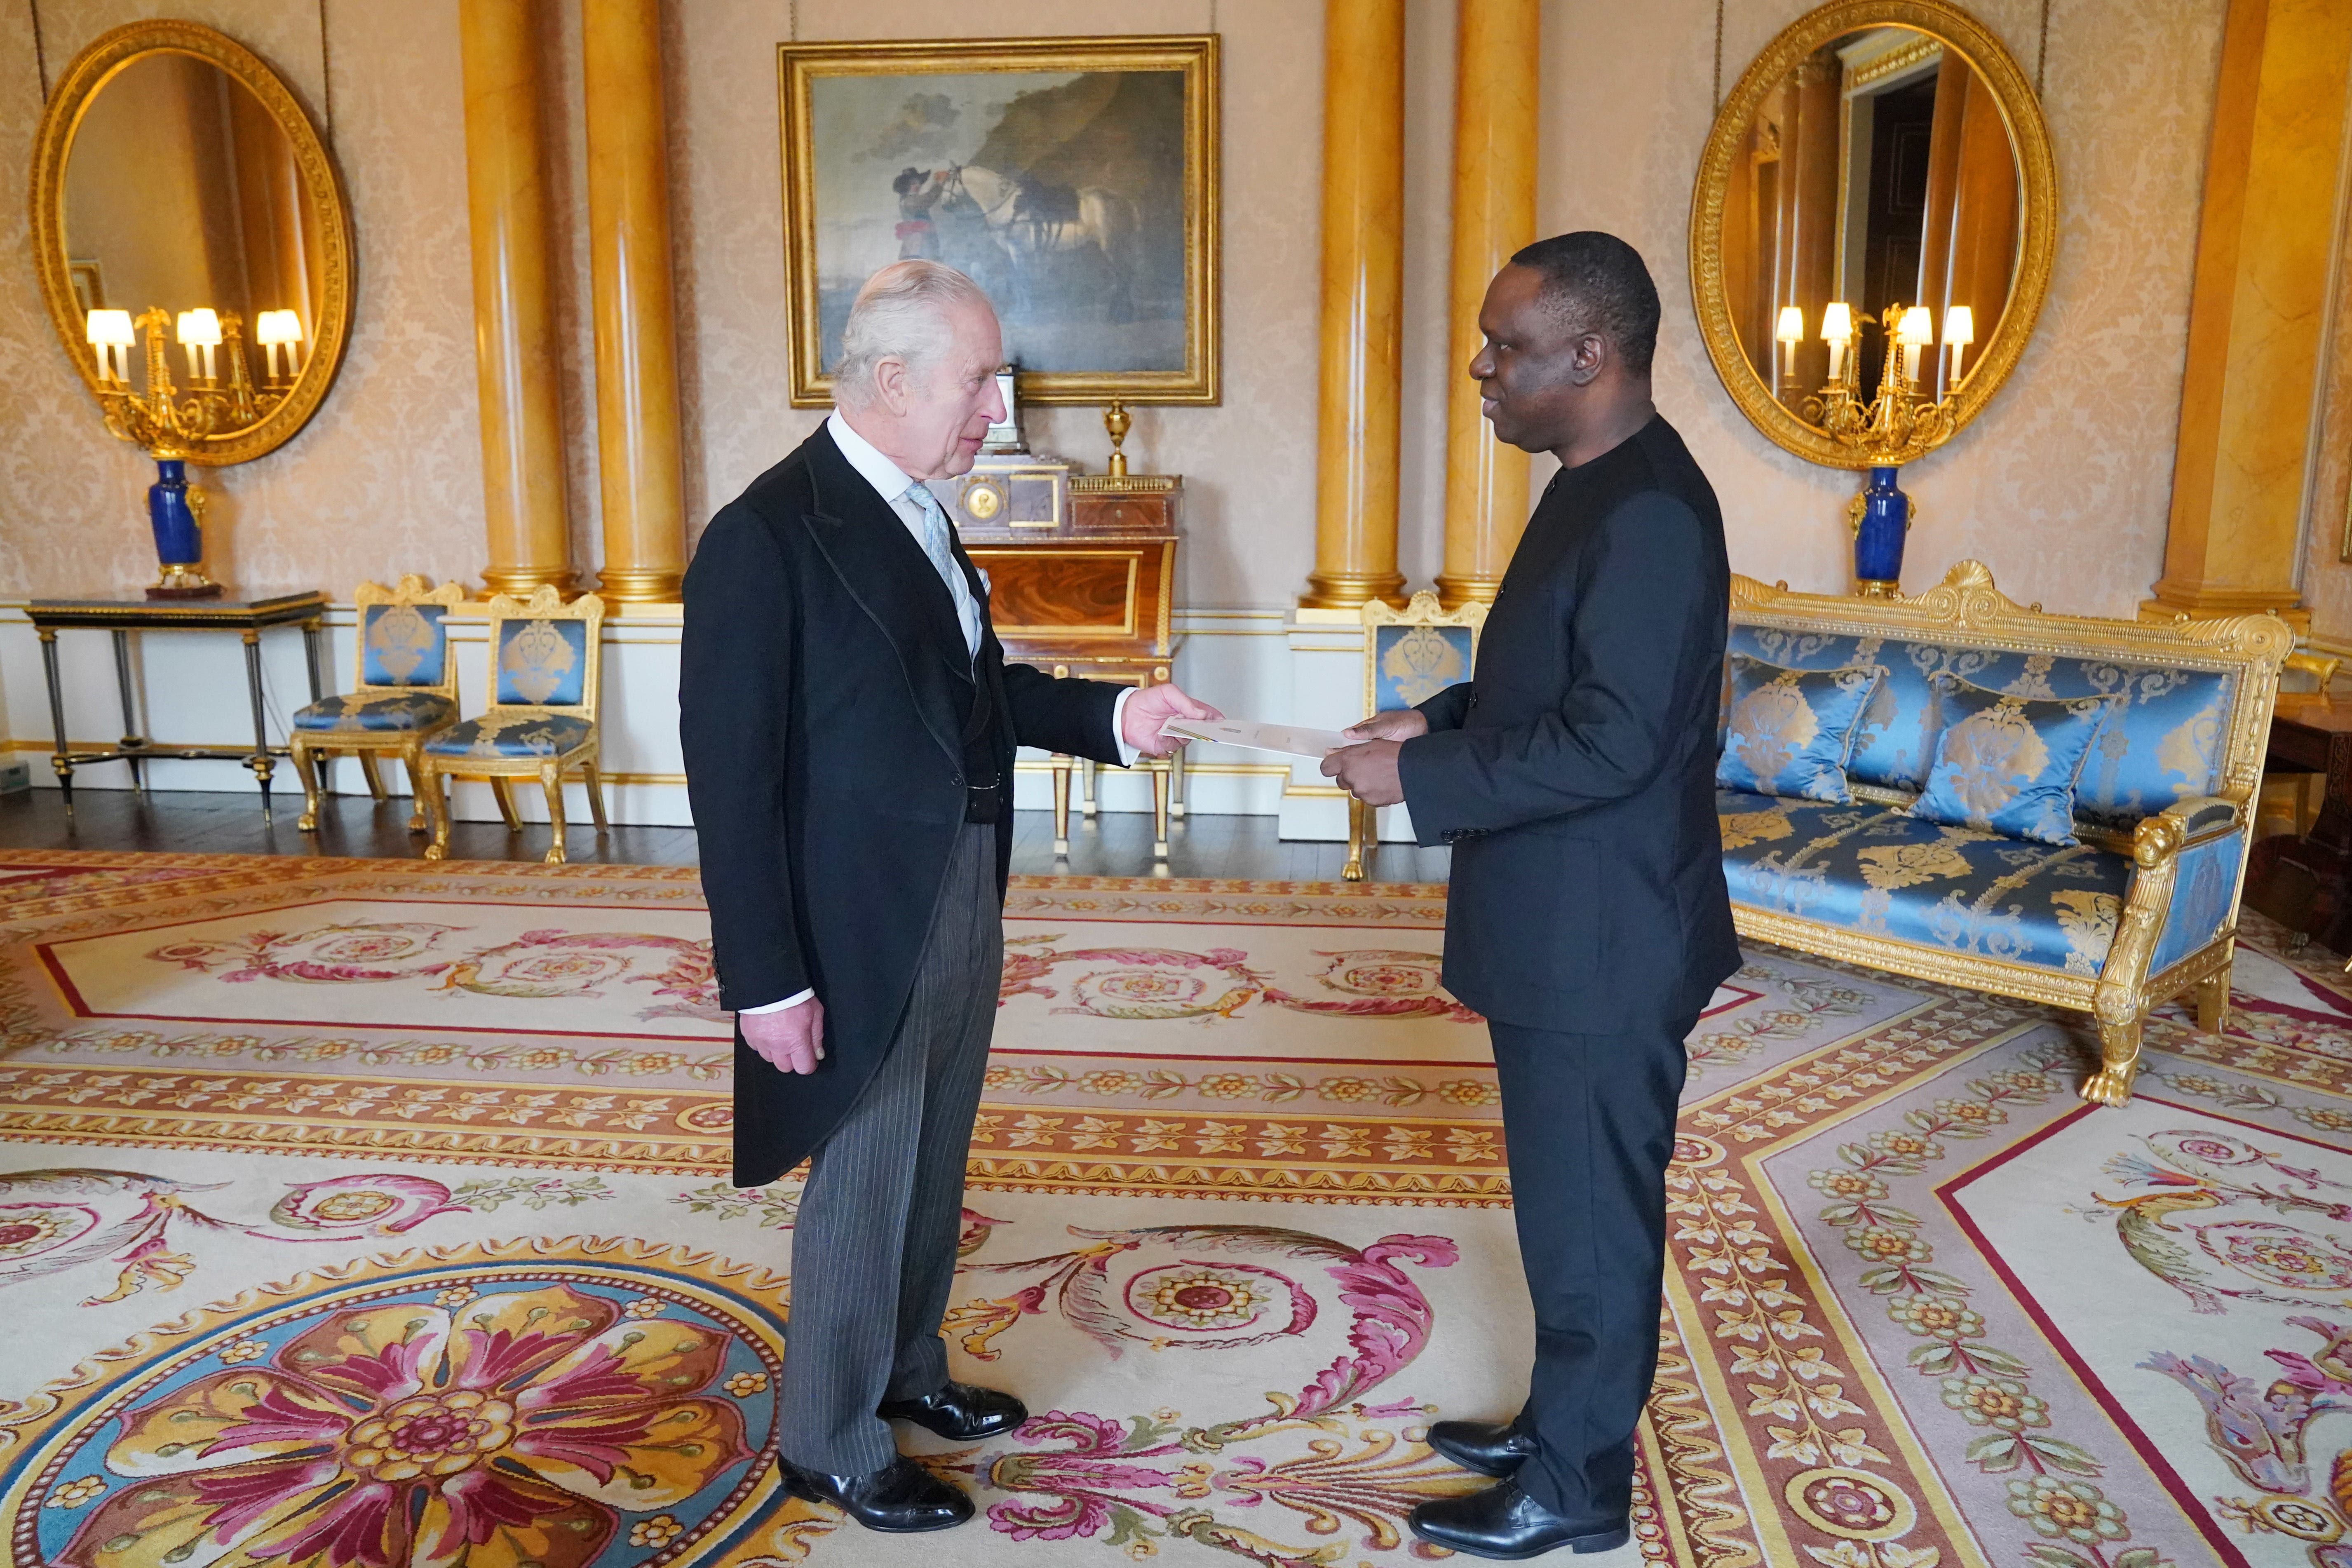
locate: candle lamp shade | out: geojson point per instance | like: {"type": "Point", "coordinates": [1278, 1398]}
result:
{"type": "Point", "coordinates": [199, 329]}
{"type": "Point", "coordinates": [1837, 322]}
{"type": "Point", "coordinates": [1792, 328]}
{"type": "Point", "coordinates": [278, 327]}
{"type": "Point", "coordinates": [109, 328]}
{"type": "Point", "coordinates": [1918, 328]}
{"type": "Point", "coordinates": [1960, 326]}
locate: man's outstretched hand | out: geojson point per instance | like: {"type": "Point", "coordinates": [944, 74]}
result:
{"type": "Point", "coordinates": [1367, 770]}
{"type": "Point", "coordinates": [790, 1039]}
{"type": "Point", "coordinates": [1154, 705]}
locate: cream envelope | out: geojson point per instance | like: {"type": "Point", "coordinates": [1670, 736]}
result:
{"type": "Point", "coordinates": [1284, 739]}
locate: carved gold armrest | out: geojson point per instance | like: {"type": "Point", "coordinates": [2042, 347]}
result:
{"type": "Point", "coordinates": [2121, 997]}
{"type": "Point", "coordinates": [2200, 817]}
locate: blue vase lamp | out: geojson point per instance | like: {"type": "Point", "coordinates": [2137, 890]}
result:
{"type": "Point", "coordinates": [174, 511]}
{"type": "Point", "coordinates": [1883, 517]}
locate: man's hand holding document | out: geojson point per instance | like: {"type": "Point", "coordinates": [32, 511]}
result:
{"type": "Point", "coordinates": [1363, 759]}
{"type": "Point", "coordinates": [1285, 740]}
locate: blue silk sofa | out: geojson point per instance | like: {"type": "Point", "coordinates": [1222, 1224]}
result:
{"type": "Point", "coordinates": [2144, 909]}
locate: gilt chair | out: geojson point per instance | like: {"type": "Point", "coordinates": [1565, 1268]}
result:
{"type": "Point", "coordinates": [1410, 655]}
{"type": "Point", "coordinates": [404, 692]}
{"type": "Point", "coordinates": [541, 721]}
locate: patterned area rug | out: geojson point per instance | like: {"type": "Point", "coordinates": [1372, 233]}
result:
{"type": "Point", "coordinates": [375, 1212]}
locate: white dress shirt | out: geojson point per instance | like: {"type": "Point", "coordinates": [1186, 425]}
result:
{"type": "Point", "coordinates": [891, 483]}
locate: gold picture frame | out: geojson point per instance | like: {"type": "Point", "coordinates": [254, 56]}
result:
{"type": "Point", "coordinates": [64, 277]}
{"type": "Point", "coordinates": [1080, 225]}
{"type": "Point", "coordinates": [2020, 111]}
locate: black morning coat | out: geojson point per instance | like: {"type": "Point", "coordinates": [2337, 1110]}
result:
{"type": "Point", "coordinates": [1574, 772]}
{"type": "Point", "coordinates": [823, 692]}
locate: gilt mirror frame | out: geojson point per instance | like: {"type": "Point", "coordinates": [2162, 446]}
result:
{"type": "Point", "coordinates": [322, 189]}
{"type": "Point", "coordinates": [2020, 111]}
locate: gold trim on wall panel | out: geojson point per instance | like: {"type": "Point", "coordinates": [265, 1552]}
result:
{"type": "Point", "coordinates": [1195, 55]}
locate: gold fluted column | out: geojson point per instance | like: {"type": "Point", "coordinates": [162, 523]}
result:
{"type": "Point", "coordinates": [2257, 312]}
{"type": "Point", "coordinates": [514, 307]}
{"type": "Point", "coordinates": [636, 333]}
{"type": "Point", "coordinates": [1494, 214]}
{"type": "Point", "coordinates": [1363, 289]}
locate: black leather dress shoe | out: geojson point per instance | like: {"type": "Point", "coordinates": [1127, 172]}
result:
{"type": "Point", "coordinates": [1504, 1523]}
{"type": "Point", "coordinates": [959, 1412]}
{"type": "Point", "coordinates": [900, 1498]}
{"type": "Point", "coordinates": [1488, 1447]}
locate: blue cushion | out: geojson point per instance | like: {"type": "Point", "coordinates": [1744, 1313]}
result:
{"type": "Point", "coordinates": [511, 734]}
{"type": "Point", "coordinates": [403, 644]}
{"type": "Point", "coordinates": [542, 663]}
{"type": "Point", "coordinates": [1878, 870]}
{"type": "Point", "coordinates": [377, 712]}
{"type": "Point", "coordinates": [1789, 732]}
{"type": "Point", "coordinates": [2007, 764]}
{"type": "Point", "coordinates": [2165, 744]}
{"type": "Point", "coordinates": [1413, 663]}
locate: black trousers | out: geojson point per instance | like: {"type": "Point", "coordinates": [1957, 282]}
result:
{"type": "Point", "coordinates": [1589, 1121]}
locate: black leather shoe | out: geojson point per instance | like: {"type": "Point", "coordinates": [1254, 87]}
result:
{"type": "Point", "coordinates": [959, 1412]}
{"type": "Point", "coordinates": [900, 1498]}
{"type": "Point", "coordinates": [1504, 1523]}
{"type": "Point", "coordinates": [1488, 1447]}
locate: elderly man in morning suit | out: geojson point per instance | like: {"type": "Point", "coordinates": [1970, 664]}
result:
{"type": "Point", "coordinates": [849, 724]}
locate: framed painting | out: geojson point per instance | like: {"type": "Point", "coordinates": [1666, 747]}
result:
{"type": "Point", "coordinates": [1075, 180]}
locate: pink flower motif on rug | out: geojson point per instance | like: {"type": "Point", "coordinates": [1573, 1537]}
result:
{"type": "Point", "coordinates": [62, 1218]}
{"type": "Point", "coordinates": [1159, 983]}
{"type": "Point", "coordinates": [412, 1433]}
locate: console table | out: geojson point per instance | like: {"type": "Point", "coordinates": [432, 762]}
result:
{"type": "Point", "coordinates": [248, 618]}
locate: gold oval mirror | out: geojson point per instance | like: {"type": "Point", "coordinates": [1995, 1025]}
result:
{"type": "Point", "coordinates": [192, 235]}
{"type": "Point", "coordinates": [1878, 192]}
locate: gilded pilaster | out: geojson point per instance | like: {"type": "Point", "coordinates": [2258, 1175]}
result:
{"type": "Point", "coordinates": [1494, 215]}
{"type": "Point", "coordinates": [637, 444]}
{"type": "Point", "coordinates": [514, 310]}
{"type": "Point", "coordinates": [2257, 310]}
{"type": "Point", "coordinates": [1363, 289]}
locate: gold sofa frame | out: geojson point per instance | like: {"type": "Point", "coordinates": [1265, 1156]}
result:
{"type": "Point", "coordinates": [1967, 611]}
{"type": "Point", "coordinates": [308, 747]}
{"type": "Point", "coordinates": [546, 603]}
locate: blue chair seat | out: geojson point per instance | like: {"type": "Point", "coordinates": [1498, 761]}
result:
{"type": "Point", "coordinates": [512, 734]}
{"type": "Point", "coordinates": [377, 712]}
{"type": "Point", "coordinates": [1877, 870]}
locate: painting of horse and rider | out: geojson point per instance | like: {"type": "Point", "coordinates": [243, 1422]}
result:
{"type": "Point", "coordinates": [1073, 180]}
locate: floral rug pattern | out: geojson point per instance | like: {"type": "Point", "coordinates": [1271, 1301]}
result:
{"type": "Point", "coordinates": [406, 1288]}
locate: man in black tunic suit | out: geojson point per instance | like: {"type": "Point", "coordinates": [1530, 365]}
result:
{"type": "Point", "coordinates": [849, 723]}
{"type": "Point", "coordinates": [1587, 917]}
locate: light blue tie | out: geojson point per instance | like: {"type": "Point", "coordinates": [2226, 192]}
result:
{"type": "Point", "coordinates": [936, 546]}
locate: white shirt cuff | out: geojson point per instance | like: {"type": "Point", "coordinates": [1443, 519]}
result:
{"type": "Point", "coordinates": [1127, 753]}
{"type": "Point", "coordinates": [779, 1006]}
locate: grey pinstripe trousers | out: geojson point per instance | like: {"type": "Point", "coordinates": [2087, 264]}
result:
{"type": "Point", "coordinates": [874, 1249]}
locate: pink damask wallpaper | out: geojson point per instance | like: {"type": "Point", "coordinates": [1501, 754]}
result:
{"type": "Point", "coordinates": [2326, 576]}
{"type": "Point", "coordinates": [2063, 487]}
{"type": "Point", "coordinates": [387, 478]}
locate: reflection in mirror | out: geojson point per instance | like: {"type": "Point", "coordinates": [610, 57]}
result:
{"type": "Point", "coordinates": [1873, 206]}
{"type": "Point", "coordinates": [184, 209]}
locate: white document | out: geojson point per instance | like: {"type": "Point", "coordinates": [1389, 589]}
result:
{"type": "Point", "coordinates": [1284, 738]}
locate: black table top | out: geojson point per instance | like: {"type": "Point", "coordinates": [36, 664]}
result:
{"type": "Point", "coordinates": [132, 613]}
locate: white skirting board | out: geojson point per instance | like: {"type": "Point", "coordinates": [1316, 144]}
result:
{"type": "Point", "coordinates": [1297, 667]}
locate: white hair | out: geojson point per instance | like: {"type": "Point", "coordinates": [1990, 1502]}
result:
{"type": "Point", "coordinates": [902, 312]}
